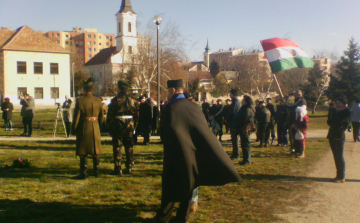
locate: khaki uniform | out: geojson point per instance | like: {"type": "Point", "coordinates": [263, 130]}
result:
{"type": "Point", "coordinates": [121, 120]}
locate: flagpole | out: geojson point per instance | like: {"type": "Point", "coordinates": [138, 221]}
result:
{"type": "Point", "coordinates": [277, 83]}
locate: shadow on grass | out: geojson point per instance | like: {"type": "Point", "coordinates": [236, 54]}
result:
{"type": "Point", "coordinates": [261, 177]}
{"type": "Point", "coordinates": [34, 172]}
{"type": "Point", "coordinates": [47, 148]}
{"type": "Point", "coordinates": [26, 210]}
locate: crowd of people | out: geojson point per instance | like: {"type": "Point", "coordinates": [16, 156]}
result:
{"type": "Point", "coordinates": [193, 154]}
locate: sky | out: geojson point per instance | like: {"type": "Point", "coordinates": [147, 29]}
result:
{"type": "Point", "coordinates": [317, 26]}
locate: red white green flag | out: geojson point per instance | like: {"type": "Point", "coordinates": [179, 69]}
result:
{"type": "Point", "coordinates": [284, 54]}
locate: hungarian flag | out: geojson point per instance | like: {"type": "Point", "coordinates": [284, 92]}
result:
{"type": "Point", "coordinates": [284, 54]}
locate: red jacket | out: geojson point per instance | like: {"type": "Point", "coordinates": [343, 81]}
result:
{"type": "Point", "coordinates": [303, 126]}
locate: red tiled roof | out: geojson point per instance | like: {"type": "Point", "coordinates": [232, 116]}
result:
{"type": "Point", "coordinates": [103, 57]}
{"type": "Point", "coordinates": [26, 39]}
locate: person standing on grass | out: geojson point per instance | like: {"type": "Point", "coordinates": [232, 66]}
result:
{"type": "Point", "coordinates": [271, 125]}
{"type": "Point", "coordinates": [281, 116]}
{"type": "Point", "coordinates": [355, 120]}
{"type": "Point", "coordinates": [225, 114]}
{"type": "Point", "coordinates": [242, 120]}
{"type": "Point", "coordinates": [7, 107]}
{"type": "Point", "coordinates": [205, 109]}
{"type": "Point", "coordinates": [27, 112]}
{"type": "Point", "coordinates": [263, 119]}
{"type": "Point", "coordinates": [67, 114]}
{"type": "Point", "coordinates": [339, 123]}
{"type": "Point", "coordinates": [88, 117]}
{"type": "Point", "coordinates": [193, 156]}
{"type": "Point", "coordinates": [233, 110]}
{"type": "Point", "coordinates": [301, 126]}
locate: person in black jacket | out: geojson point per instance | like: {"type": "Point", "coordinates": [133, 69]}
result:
{"type": "Point", "coordinates": [219, 114]}
{"type": "Point", "coordinates": [27, 112]}
{"type": "Point", "coordinates": [271, 126]}
{"type": "Point", "coordinates": [263, 120]}
{"type": "Point", "coordinates": [7, 107]}
{"type": "Point", "coordinates": [257, 111]}
{"type": "Point", "coordinates": [67, 115]}
{"type": "Point", "coordinates": [233, 110]}
{"type": "Point", "coordinates": [193, 156]}
{"type": "Point", "coordinates": [145, 120]}
{"type": "Point", "coordinates": [281, 116]}
{"type": "Point", "coordinates": [242, 120]}
{"type": "Point", "coordinates": [338, 123]}
{"type": "Point", "coordinates": [205, 109]}
{"type": "Point", "coordinates": [226, 113]}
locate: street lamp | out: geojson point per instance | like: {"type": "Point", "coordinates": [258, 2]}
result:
{"type": "Point", "coordinates": [157, 21]}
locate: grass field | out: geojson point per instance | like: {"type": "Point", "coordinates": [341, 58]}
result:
{"type": "Point", "coordinates": [46, 193]}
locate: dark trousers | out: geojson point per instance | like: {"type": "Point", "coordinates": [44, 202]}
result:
{"type": "Point", "coordinates": [337, 148]}
{"type": "Point", "coordinates": [235, 143]}
{"type": "Point", "coordinates": [8, 124]}
{"type": "Point", "coordinates": [182, 214]}
{"type": "Point", "coordinates": [128, 144]}
{"type": "Point", "coordinates": [282, 133]}
{"type": "Point", "coordinates": [245, 147]}
{"type": "Point", "coordinates": [263, 136]}
{"type": "Point", "coordinates": [356, 127]}
{"type": "Point", "coordinates": [27, 122]}
{"type": "Point", "coordinates": [145, 131]}
{"type": "Point", "coordinates": [220, 133]}
{"type": "Point", "coordinates": [299, 146]}
{"type": "Point", "coordinates": [67, 127]}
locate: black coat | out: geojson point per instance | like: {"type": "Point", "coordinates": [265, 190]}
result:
{"type": "Point", "coordinates": [281, 114]}
{"type": "Point", "coordinates": [233, 110]}
{"type": "Point", "coordinates": [243, 118]}
{"type": "Point", "coordinates": [263, 116]}
{"type": "Point", "coordinates": [145, 119]}
{"type": "Point", "coordinates": [338, 123]}
{"type": "Point", "coordinates": [292, 109]}
{"type": "Point", "coordinates": [7, 115]}
{"type": "Point", "coordinates": [205, 109]}
{"type": "Point", "coordinates": [271, 108]}
{"type": "Point", "coordinates": [193, 156]}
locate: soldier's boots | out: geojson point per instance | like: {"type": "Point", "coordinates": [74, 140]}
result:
{"type": "Point", "coordinates": [117, 169]}
{"type": "Point", "coordinates": [266, 144]}
{"type": "Point", "coordinates": [260, 145]}
{"type": "Point", "coordinates": [83, 169]}
{"type": "Point", "coordinates": [128, 170]}
{"type": "Point", "coordinates": [96, 161]}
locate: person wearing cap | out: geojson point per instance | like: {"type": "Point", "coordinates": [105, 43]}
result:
{"type": "Point", "coordinates": [299, 101]}
{"type": "Point", "coordinates": [67, 115]}
{"type": "Point", "coordinates": [7, 107]}
{"type": "Point", "coordinates": [263, 119]}
{"type": "Point", "coordinates": [339, 123]}
{"type": "Point", "coordinates": [271, 126]}
{"type": "Point", "coordinates": [233, 110]}
{"type": "Point", "coordinates": [205, 109]}
{"type": "Point", "coordinates": [87, 119]}
{"type": "Point", "coordinates": [145, 120]}
{"type": "Point", "coordinates": [281, 116]}
{"type": "Point", "coordinates": [27, 113]}
{"type": "Point", "coordinates": [225, 114]}
{"type": "Point", "coordinates": [193, 156]}
{"type": "Point", "coordinates": [123, 114]}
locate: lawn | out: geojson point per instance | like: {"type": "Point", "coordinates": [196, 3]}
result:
{"type": "Point", "coordinates": [46, 193]}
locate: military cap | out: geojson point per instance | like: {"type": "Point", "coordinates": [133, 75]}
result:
{"type": "Point", "coordinates": [88, 84]}
{"type": "Point", "coordinates": [261, 102]}
{"type": "Point", "coordinates": [175, 83]}
{"type": "Point", "coordinates": [122, 83]}
{"type": "Point", "coordinates": [235, 92]}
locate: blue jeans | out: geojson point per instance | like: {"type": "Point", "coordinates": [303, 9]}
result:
{"type": "Point", "coordinates": [245, 147]}
{"type": "Point", "coordinates": [235, 143]}
{"type": "Point", "coordinates": [337, 148]}
{"type": "Point", "coordinates": [8, 124]}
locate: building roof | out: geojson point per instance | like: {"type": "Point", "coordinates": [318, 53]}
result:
{"type": "Point", "coordinates": [26, 39]}
{"type": "Point", "coordinates": [126, 7]}
{"type": "Point", "coordinates": [103, 57]}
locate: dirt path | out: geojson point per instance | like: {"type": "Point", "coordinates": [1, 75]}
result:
{"type": "Point", "coordinates": [332, 202]}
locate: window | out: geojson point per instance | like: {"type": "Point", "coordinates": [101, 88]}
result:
{"type": "Point", "coordinates": [107, 37]}
{"type": "Point", "coordinates": [54, 68]}
{"type": "Point", "coordinates": [70, 43]}
{"type": "Point", "coordinates": [99, 37]}
{"type": "Point", "coordinates": [57, 34]}
{"type": "Point", "coordinates": [39, 93]}
{"type": "Point", "coordinates": [81, 43]}
{"type": "Point", "coordinates": [94, 36]}
{"type": "Point", "coordinates": [81, 50]}
{"type": "Point", "coordinates": [54, 92]}
{"type": "Point", "coordinates": [89, 49]}
{"type": "Point", "coordinates": [94, 43]}
{"type": "Point", "coordinates": [22, 91]}
{"type": "Point", "coordinates": [81, 37]}
{"type": "Point", "coordinates": [38, 68]}
{"type": "Point", "coordinates": [89, 56]}
{"type": "Point", "coordinates": [21, 67]}
{"type": "Point", "coordinates": [99, 44]}
{"type": "Point", "coordinates": [129, 27]}
{"type": "Point", "coordinates": [89, 43]}
{"type": "Point", "coordinates": [107, 44]}
{"type": "Point", "coordinates": [89, 36]}
{"type": "Point", "coordinates": [67, 42]}
{"type": "Point", "coordinates": [130, 50]}
{"type": "Point", "coordinates": [58, 41]}
{"type": "Point", "coordinates": [67, 36]}
{"type": "Point", "coordinates": [94, 49]}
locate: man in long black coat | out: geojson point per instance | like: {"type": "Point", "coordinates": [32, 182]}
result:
{"type": "Point", "coordinates": [193, 156]}
{"type": "Point", "coordinates": [145, 120]}
{"type": "Point", "coordinates": [263, 118]}
{"type": "Point", "coordinates": [271, 126]}
{"type": "Point", "coordinates": [205, 109]}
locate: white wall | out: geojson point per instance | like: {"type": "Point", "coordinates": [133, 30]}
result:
{"type": "Point", "coordinates": [13, 80]}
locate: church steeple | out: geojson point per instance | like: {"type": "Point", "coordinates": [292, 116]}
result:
{"type": "Point", "coordinates": [126, 7]}
{"type": "Point", "coordinates": [207, 49]}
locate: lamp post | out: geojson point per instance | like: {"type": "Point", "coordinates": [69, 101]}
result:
{"type": "Point", "coordinates": [157, 21]}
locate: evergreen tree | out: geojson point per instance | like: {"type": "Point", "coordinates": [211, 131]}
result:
{"type": "Point", "coordinates": [346, 81]}
{"type": "Point", "coordinates": [214, 68]}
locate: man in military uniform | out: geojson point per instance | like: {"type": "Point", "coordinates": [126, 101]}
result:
{"type": "Point", "coordinates": [121, 120]}
{"type": "Point", "coordinates": [263, 118]}
{"type": "Point", "coordinates": [87, 119]}
{"type": "Point", "coordinates": [271, 125]}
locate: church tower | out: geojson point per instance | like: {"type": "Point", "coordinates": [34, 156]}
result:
{"type": "Point", "coordinates": [126, 38]}
{"type": "Point", "coordinates": [207, 55]}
